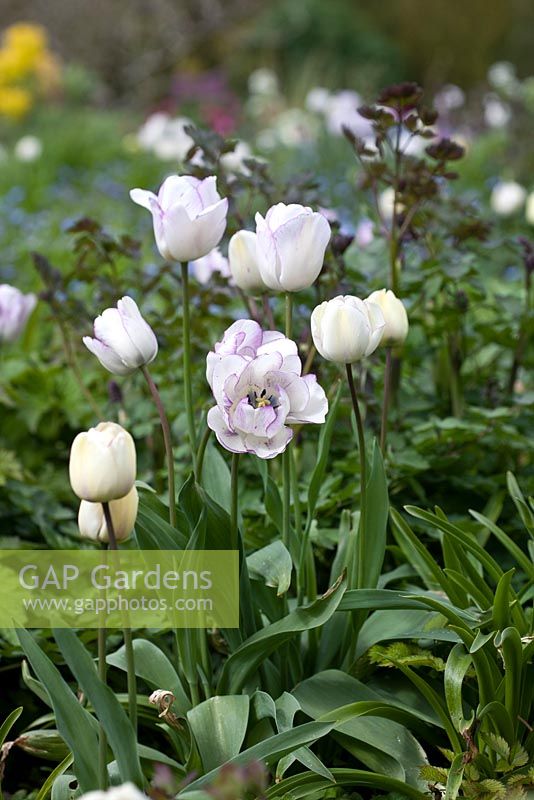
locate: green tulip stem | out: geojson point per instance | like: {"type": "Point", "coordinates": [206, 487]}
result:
{"type": "Point", "coordinates": [188, 389]}
{"type": "Point", "coordinates": [385, 402]}
{"type": "Point", "coordinates": [289, 314]}
{"type": "Point", "coordinates": [166, 429]}
{"type": "Point", "coordinates": [234, 491]}
{"type": "Point", "coordinates": [202, 451]}
{"type": "Point", "coordinates": [102, 739]}
{"type": "Point", "coordinates": [363, 474]}
{"type": "Point", "coordinates": [286, 456]}
{"type": "Point", "coordinates": [127, 633]}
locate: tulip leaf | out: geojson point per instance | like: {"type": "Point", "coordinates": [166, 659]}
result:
{"type": "Point", "coordinates": [308, 784]}
{"type": "Point", "coordinates": [110, 713]}
{"type": "Point", "coordinates": [75, 724]}
{"type": "Point", "coordinates": [219, 725]}
{"type": "Point", "coordinates": [376, 518]}
{"type": "Point", "coordinates": [153, 666]}
{"type": "Point", "coordinates": [243, 661]}
{"type": "Point", "coordinates": [458, 663]}
{"type": "Point", "coordinates": [380, 743]}
{"type": "Point", "coordinates": [273, 564]}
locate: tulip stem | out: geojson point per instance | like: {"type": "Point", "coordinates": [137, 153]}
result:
{"type": "Point", "coordinates": [102, 740]}
{"type": "Point", "coordinates": [127, 633]}
{"type": "Point", "coordinates": [289, 314]}
{"type": "Point", "coordinates": [166, 429]}
{"type": "Point", "coordinates": [385, 402]}
{"type": "Point", "coordinates": [234, 484]}
{"type": "Point", "coordinates": [188, 390]}
{"type": "Point", "coordinates": [286, 456]}
{"type": "Point", "coordinates": [363, 476]}
{"type": "Point", "coordinates": [202, 451]}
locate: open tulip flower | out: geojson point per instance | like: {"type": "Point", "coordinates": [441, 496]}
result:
{"type": "Point", "coordinates": [256, 380]}
{"type": "Point", "coordinates": [189, 216]}
{"type": "Point", "coordinates": [291, 241]}
{"type": "Point", "coordinates": [123, 341]}
{"type": "Point", "coordinates": [346, 329]}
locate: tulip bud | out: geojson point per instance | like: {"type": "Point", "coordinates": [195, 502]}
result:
{"type": "Point", "coordinates": [244, 262]}
{"type": "Point", "coordinates": [92, 523]}
{"type": "Point", "coordinates": [15, 308]}
{"type": "Point", "coordinates": [102, 463]}
{"type": "Point", "coordinates": [396, 328]}
{"type": "Point", "coordinates": [126, 791]}
{"type": "Point", "coordinates": [291, 243]}
{"type": "Point", "coordinates": [346, 329]}
{"type": "Point", "coordinates": [188, 214]}
{"type": "Point", "coordinates": [123, 340]}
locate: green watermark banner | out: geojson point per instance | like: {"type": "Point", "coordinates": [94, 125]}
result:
{"type": "Point", "coordinates": [117, 589]}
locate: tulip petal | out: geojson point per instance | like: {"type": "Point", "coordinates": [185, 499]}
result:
{"type": "Point", "coordinates": [143, 198]}
{"type": "Point", "coordinates": [107, 357]}
{"type": "Point", "coordinates": [227, 438]}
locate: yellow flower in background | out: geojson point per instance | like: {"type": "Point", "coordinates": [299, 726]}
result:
{"type": "Point", "coordinates": [28, 41]}
{"type": "Point", "coordinates": [14, 102]}
{"type": "Point", "coordinates": [27, 67]}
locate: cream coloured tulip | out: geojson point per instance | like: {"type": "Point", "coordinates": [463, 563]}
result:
{"type": "Point", "coordinates": [291, 242]}
{"type": "Point", "coordinates": [122, 341]}
{"type": "Point", "coordinates": [346, 329]}
{"type": "Point", "coordinates": [92, 522]}
{"type": "Point", "coordinates": [243, 260]}
{"type": "Point", "coordinates": [102, 463]}
{"type": "Point", "coordinates": [395, 316]}
{"type": "Point", "coordinates": [189, 216]}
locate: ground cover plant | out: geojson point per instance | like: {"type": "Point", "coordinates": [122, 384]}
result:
{"type": "Point", "coordinates": [316, 352]}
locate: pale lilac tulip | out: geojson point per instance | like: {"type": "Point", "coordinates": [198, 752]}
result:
{"type": "Point", "coordinates": [189, 216]}
{"type": "Point", "coordinates": [203, 268]}
{"type": "Point", "coordinates": [256, 380]}
{"type": "Point", "coordinates": [15, 308]}
{"type": "Point", "coordinates": [123, 341]}
{"type": "Point", "coordinates": [291, 241]}
{"type": "Point", "coordinates": [346, 329]}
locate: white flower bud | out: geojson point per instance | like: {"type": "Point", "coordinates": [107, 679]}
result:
{"type": "Point", "coordinates": [92, 522]}
{"type": "Point", "coordinates": [244, 262]}
{"type": "Point", "coordinates": [102, 463]}
{"type": "Point", "coordinates": [396, 327]}
{"type": "Point", "coordinates": [346, 329]}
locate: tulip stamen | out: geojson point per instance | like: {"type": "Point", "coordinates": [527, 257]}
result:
{"type": "Point", "coordinates": [262, 400]}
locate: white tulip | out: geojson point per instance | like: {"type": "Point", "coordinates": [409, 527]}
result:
{"type": "Point", "coordinates": [291, 242]}
{"type": "Point", "coordinates": [15, 309]}
{"type": "Point", "coordinates": [102, 463]}
{"type": "Point", "coordinates": [396, 318]}
{"type": "Point", "coordinates": [126, 791]}
{"type": "Point", "coordinates": [189, 216]}
{"type": "Point", "coordinates": [507, 198]}
{"type": "Point", "coordinates": [346, 329]}
{"type": "Point", "coordinates": [123, 341]}
{"type": "Point", "coordinates": [529, 210]}
{"type": "Point", "coordinates": [243, 260]}
{"type": "Point", "coordinates": [92, 522]}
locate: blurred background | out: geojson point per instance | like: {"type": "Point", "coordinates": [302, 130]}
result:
{"type": "Point", "coordinates": [133, 48]}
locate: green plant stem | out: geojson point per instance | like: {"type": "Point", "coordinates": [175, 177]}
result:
{"type": "Point", "coordinates": [286, 455]}
{"type": "Point", "coordinates": [188, 390]}
{"type": "Point", "coordinates": [102, 740]}
{"type": "Point", "coordinates": [127, 633]}
{"type": "Point", "coordinates": [234, 488]}
{"type": "Point", "coordinates": [385, 401]}
{"type": "Point", "coordinates": [363, 475]}
{"type": "Point", "coordinates": [289, 314]}
{"type": "Point", "coordinates": [202, 451]}
{"type": "Point", "coordinates": [166, 429]}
